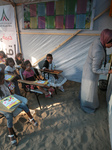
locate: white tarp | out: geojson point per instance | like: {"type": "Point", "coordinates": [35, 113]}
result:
{"type": "Point", "coordinates": [70, 57]}
{"type": "Point", "coordinates": [8, 40]}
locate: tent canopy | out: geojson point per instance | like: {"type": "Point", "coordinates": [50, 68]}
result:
{"type": "Point", "coordinates": [6, 2]}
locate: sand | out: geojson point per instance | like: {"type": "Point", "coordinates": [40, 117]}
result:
{"type": "Point", "coordinates": [62, 124]}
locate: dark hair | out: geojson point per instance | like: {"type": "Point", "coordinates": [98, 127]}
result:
{"type": "Point", "coordinates": [4, 55]}
{"type": "Point", "coordinates": [1, 76]}
{"type": "Point", "coordinates": [8, 60]}
{"type": "Point", "coordinates": [49, 55]}
{"type": "Point", "coordinates": [110, 41]}
{"type": "Point", "coordinates": [25, 63]}
{"type": "Point", "coordinates": [18, 55]}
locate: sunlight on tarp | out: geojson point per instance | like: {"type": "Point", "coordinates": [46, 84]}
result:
{"type": "Point", "coordinates": [33, 60]}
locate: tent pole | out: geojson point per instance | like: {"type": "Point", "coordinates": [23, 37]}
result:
{"type": "Point", "coordinates": [57, 47]}
{"type": "Point", "coordinates": [108, 76]}
{"type": "Point", "coordinates": [17, 28]}
{"type": "Point", "coordinates": [41, 33]}
{"type": "Point", "coordinates": [93, 13]}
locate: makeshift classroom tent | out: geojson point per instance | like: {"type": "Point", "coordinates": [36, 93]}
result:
{"type": "Point", "coordinates": [69, 50]}
{"type": "Point", "coordinates": [36, 43]}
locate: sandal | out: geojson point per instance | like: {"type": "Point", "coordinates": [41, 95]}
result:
{"type": "Point", "coordinates": [51, 90]}
{"type": "Point", "coordinates": [48, 95]}
{"type": "Point", "coordinates": [13, 142]}
{"type": "Point", "coordinates": [33, 122]}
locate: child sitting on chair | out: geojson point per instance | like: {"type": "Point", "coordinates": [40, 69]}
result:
{"type": "Point", "coordinates": [2, 57]}
{"type": "Point", "coordinates": [4, 92]}
{"type": "Point", "coordinates": [54, 80]}
{"type": "Point", "coordinates": [28, 74]}
{"type": "Point", "coordinates": [19, 58]}
{"type": "Point", "coordinates": [10, 68]}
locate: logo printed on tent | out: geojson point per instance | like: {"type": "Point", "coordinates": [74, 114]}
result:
{"type": "Point", "coordinates": [4, 17]}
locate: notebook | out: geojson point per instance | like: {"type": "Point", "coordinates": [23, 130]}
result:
{"type": "Point", "coordinates": [8, 77]}
{"type": "Point", "coordinates": [10, 102]}
{"type": "Point", "coordinates": [42, 82]}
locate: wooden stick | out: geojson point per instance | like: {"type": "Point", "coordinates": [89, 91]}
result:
{"type": "Point", "coordinates": [57, 47]}
{"type": "Point", "coordinates": [46, 33]}
{"type": "Point", "coordinates": [108, 76]}
{"type": "Point", "coordinates": [82, 34]}
{"type": "Point", "coordinates": [101, 13]}
{"type": "Point", "coordinates": [36, 1]}
{"type": "Point", "coordinates": [18, 35]}
{"type": "Point", "coordinates": [89, 34]}
{"type": "Point", "coordinates": [9, 1]}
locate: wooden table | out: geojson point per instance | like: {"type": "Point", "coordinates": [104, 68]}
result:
{"type": "Point", "coordinates": [55, 72]}
{"type": "Point", "coordinates": [10, 75]}
{"type": "Point", "coordinates": [32, 83]}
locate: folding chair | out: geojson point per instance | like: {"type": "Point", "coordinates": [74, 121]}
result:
{"type": "Point", "coordinates": [35, 91]}
{"type": "Point", "coordinates": [40, 66]}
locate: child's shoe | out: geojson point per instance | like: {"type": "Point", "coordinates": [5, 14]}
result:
{"type": "Point", "coordinates": [48, 95]}
{"type": "Point", "coordinates": [51, 90]}
{"type": "Point", "coordinates": [61, 88]}
{"type": "Point", "coordinates": [27, 87]}
{"type": "Point", "coordinates": [32, 87]}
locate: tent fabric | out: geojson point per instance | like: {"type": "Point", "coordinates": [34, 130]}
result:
{"type": "Point", "coordinates": [100, 24]}
{"type": "Point", "coordinates": [109, 102]}
{"type": "Point", "coordinates": [36, 46]}
{"type": "Point", "coordinates": [70, 57]}
{"type": "Point", "coordinates": [25, 1]}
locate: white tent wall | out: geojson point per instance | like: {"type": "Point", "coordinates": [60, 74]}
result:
{"type": "Point", "coordinates": [109, 102]}
{"type": "Point", "coordinates": [71, 57]}
{"type": "Point", "coordinates": [104, 21]}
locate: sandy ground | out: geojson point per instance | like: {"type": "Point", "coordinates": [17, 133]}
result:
{"type": "Point", "coordinates": [62, 124]}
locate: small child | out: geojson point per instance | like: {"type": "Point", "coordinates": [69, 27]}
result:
{"type": "Point", "coordinates": [4, 92]}
{"type": "Point", "coordinates": [54, 80]}
{"type": "Point", "coordinates": [10, 68]}
{"type": "Point", "coordinates": [28, 74]}
{"type": "Point", "coordinates": [2, 57]}
{"type": "Point", "coordinates": [19, 58]}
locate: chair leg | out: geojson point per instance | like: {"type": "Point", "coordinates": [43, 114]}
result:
{"type": "Point", "coordinates": [25, 93]}
{"type": "Point", "coordinates": [38, 100]}
{"type": "Point", "coordinates": [55, 91]}
{"type": "Point", "coordinates": [14, 133]}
